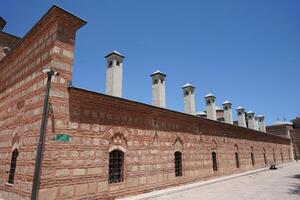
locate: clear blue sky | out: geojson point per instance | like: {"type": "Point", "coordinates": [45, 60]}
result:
{"type": "Point", "coordinates": [245, 51]}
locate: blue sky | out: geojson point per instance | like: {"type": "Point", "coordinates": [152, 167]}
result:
{"type": "Point", "coordinates": [245, 51]}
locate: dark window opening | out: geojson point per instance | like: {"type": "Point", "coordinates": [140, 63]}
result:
{"type": "Point", "coordinates": [178, 163]}
{"type": "Point", "coordinates": [186, 93]}
{"type": "Point", "coordinates": [13, 165]}
{"type": "Point", "coordinates": [214, 161]}
{"type": "Point", "coordinates": [116, 160]}
{"type": "Point", "coordinates": [252, 159]}
{"type": "Point", "coordinates": [110, 63]}
{"type": "Point", "coordinates": [237, 160]}
{"type": "Point", "coordinates": [155, 82]}
{"type": "Point", "coordinates": [265, 158]}
{"type": "Point", "coordinates": [118, 63]}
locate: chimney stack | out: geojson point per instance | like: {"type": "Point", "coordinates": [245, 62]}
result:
{"type": "Point", "coordinates": [211, 106]}
{"type": "Point", "coordinates": [158, 89]}
{"type": "Point", "coordinates": [114, 74]}
{"type": "Point", "coordinates": [251, 120]}
{"type": "Point", "coordinates": [189, 98]}
{"type": "Point", "coordinates": [227, 112]}
{"type": "Point", "coordinates": [241, 116]}
{"type": "Point", "coordinates": [261, 123]}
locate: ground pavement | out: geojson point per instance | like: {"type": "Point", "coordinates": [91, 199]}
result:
{"type": "Point", "coordinates": [281, 184]}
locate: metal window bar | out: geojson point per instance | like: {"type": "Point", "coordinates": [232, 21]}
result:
{"type": "Point", "coordinates": [237, 161]}
{"type": "Point", "coordinates": [214, 160]}
{"type": "Point", "coordinates": [178, 163]}
{"type": "Point", "coordinates": [265, 158]}
{"type": "Point", "coordinates": [13, 165]}
{"type": "Point", "coordinates": [252, 159]}
{"type": "Point", "coordinates": [116, 160]}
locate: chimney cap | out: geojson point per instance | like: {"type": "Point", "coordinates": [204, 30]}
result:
{"type": "Point", "coordinates": [114, 53]}
{"type": "Point", "coordinates": [158, 72]}
{"type": "Point", "coordinates": [250, 112]}
{"type": "Point", "coordinates": [209, 95]}
{"type": "Point", "coordinates": [188, 85]}
{"type": "Point", "coordinates": [226, 102]}
{"type": "Point", "coordinates": [2, 23]}
{"type": "Point", "coordinates": [240, 108]}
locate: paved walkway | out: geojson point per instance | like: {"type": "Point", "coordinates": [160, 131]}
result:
{"type": "Point", "coordinates": [281, 184]}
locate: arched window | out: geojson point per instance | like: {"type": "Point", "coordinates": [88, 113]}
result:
{"type": "Point", "coordinates": [237, 161]}
{"type": "Point", "coordinates": [214, 161]}
{"type": "Point", "coordinates": [282, 159]}
{"type": "Point", "coordinates": [252, 156]}
{"type": "Point", "coordinates": [116, 165]}
{"type": "Point", "coordinates": [13, 165]}
{"type": "Point", "coordinates": [178, 163]}
{"type": "Point", "coordinates": [237, 158]}
{"type": "Point", "coordinates": [274, 157]}
{"type": "Point", "coordinates": [252, 159]}
{"type": "Point", "coordinates": [265, 157]}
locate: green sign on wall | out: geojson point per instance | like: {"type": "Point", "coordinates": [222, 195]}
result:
{"type": "Point", "coordinates": [62, 137]}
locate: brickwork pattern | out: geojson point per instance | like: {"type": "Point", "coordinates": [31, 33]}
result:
{"type": "Point", "coordinates": [98, 124]}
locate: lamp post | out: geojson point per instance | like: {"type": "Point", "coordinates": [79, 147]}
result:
{"type": "Point", "coordinates": [38, 160]}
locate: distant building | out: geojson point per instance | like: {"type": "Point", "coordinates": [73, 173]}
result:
{"type": "Point", "coordinates": [290, 130]}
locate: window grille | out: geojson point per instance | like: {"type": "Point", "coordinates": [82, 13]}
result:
{"type": "Point", "coordinates": [178, 163]}
{"type": "Point", "coordinates": [13, 165]}
{"type": "Point", "coordinates": [116, 164]}
{"type": "Point", "coordinates": [214, 161]}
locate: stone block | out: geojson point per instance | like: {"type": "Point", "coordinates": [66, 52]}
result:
{"type": "Point", "coordinates": [78, 172]}
{"type": "Point", "coordinates": [82, 189]}
{"type": "Point", "coordinates": [103, 186]}
{"type": "Point", "coordinates": [62, 172]}
{"type": "Point", "coordinates": [95, 170]}
{"type": "Point", "coordinates": [48, 193]}
{"type": "Point", "coordinates": [67, 191]}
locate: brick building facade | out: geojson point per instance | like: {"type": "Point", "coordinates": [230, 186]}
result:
{"type": "Point", "coordinates": [290, 130]}
{"type": "Point", "coordinates": [118, 147]}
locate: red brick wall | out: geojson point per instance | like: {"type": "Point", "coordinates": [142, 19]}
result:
{"type": "Point", "coordinates": [22, 86]}
{"type": "Point", "coordinates": [79, 168]}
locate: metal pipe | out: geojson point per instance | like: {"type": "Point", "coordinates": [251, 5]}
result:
{"type": "Point", "coordinates": [40, 145]}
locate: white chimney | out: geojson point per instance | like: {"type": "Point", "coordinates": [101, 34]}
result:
{"type": "Point", "coordinates": [189, 98]}
{"type": "Point", "coordinates": [158, 89]}
{"type": "Point", "coordinates": [227, 112]}
{"type": "Point", "coordinates": [211, 106]}
{"type": "Point", "coordinates": [261, 123]}
{"type": "Point", "coordinates": [114, 74]}
{"type": "Point", "coordinates": [251, 120]}
{"type": "Point", "coordinates": [241, 116]}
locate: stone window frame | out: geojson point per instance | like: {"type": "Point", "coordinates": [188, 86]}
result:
{"type": "Point", "coordinates": [237, 157]}
{"type": "Point", "coordinates": [178, 163]}
{"type": "Point", "coordinates": [274, 155]}
{"type": "Point", "coordinates": [13, 166]}
{"type": "Point", "coordinates": [281, 155]}
{"type": "Point", "coordinates": [118, 141]}
{"type": "Point", "coordinates": [252, 156]}
{"type": "Point", "coordinates": [178, 147]}
{"type": "Point", "coordinates": [215, 164]}
{"type": "Point", "coordinates": [265, 156]}
{"type": "Point", "coordinates": [120, 179]}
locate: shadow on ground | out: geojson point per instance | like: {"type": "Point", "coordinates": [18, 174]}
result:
{"type": "Point", "coordinates": [296, 186]}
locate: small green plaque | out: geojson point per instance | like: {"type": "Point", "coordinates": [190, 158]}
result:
{"type": "Point", "coordinates": [62, 137]}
